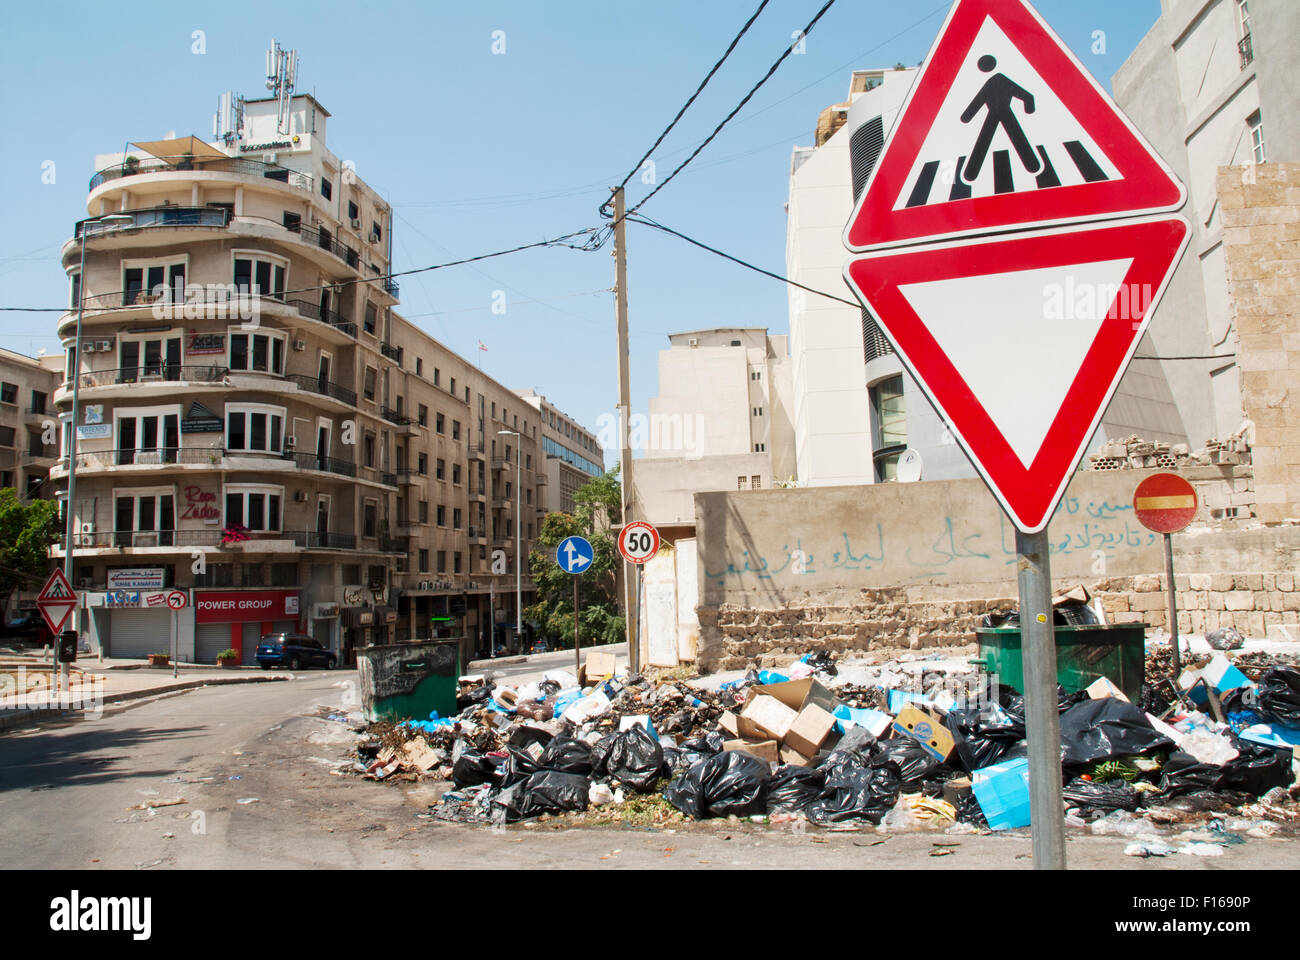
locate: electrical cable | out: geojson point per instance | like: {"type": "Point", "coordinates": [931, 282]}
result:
{"type": "Point", "coordinates": [687, 105]}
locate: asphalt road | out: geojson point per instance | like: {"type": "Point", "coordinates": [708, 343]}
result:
{"type": "Point", "coordinates": [69, 795]}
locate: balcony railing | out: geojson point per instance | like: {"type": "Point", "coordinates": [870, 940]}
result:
{"type": "Point", "coordinates": [126, 539]}
{"type": "Point", "coordinates": [390, 287]}
{"type": "Point", "coordinates": [393, 416]}
{"type": "Point", "coordinates": [316, 540]}
{"type": "Point", "coordinates": [394, 545]}
{"type": "Point", "coordinates": [405, 523]}
{"type": "Point", "coordinates": [236, 165]}
{"type": "Point", "coordinates": [407, 477]}
{"type": "Point", "coordinates": [155, 217]}
{"type": "Point", "coordinates": [390, 351]}
{"type": "Point", "coordinates": [310, 461]}
{"type": "Point", "coordinates": [475, 451]}
{"type": "Point", "coordinates": [313, 311]}
{"type": "Point", "coordinates": [153, 456]}
{"type": "Point", "coordinates": [167, 372]}
{"type": "Point", "coordinates": [388, 479]}
{"type": "Point", "coordinates": [326, 241]}
{"type": "Point", "coordinates": [325, 388]}
{"type": "Point", "coordinates": [1246, 48]}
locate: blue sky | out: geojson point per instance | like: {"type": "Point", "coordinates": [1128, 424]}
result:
{"type": "Point", "coordinates": [479, 152]}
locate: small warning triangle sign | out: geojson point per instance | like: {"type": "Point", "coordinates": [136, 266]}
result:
{"type": "Point", "coordinates": [1020, 341]}
{"type": "Point", "coordinates": [1004, 129]}
{"type": "Point", "coordinates": [56, 601]}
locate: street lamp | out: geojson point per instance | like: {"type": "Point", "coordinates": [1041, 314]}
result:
{"type": "Point", "coordinates": [519, 590]}
{"type": "Point", "coordinates": [76, 388]}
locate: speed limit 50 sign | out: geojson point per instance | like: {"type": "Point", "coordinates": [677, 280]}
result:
{"type": "Point", "coordinates": [638, 542]}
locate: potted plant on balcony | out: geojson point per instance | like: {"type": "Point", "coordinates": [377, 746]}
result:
{"type": "Point", "coordinates": [160, 659]}
{"type": "Point", "coordinates": [235, 533]}
{"type": "Point", "coordinates": [131, 164]}
{"type": "Point", "coordinates": [228, 658]}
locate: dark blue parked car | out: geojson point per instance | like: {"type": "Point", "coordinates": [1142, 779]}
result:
{"type": "Point", "coordinates": [296, 651]}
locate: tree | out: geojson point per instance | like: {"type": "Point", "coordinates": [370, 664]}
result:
{"type": "Point", "coordinates": [26, 532]}
{"type": "Point", "coordinates": [597, 506]}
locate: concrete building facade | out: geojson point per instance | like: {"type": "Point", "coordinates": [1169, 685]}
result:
{"type": "Point", "coordinates": [28, 425]}
{"type": "Point", "coordinates": [571, 454]}
{"type": "Point", "coordinates": [1211, 85]}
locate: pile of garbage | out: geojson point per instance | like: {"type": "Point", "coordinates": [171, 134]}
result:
{"type": "Point", "coordinates": [806, 745]}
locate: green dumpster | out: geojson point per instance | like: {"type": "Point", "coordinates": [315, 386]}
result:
{"type": "Point", "coordinates": [408, 681]}
{"type": "Point", "coordinates": [1083, 654]}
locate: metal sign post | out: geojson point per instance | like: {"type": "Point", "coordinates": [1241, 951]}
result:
{"type": "Point", "coordinates": [1165, 503]}
{"type": "Point", "coordinates": [1042, 717]}
{"type": "Point", "coordinates": [577, 644]}
{"type": "Point", "coordinates": [575, 556]}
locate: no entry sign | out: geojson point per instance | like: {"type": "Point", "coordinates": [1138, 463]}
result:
{"type": "Point", "coordinates": [1165, 503]}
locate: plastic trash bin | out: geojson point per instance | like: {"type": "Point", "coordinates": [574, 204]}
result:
{"type": "Point", "coordinates": [1083, 654]}
{"type": "Point", "coordinates": [409, 681]}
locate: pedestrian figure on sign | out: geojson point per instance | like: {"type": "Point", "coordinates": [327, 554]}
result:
{"type": "Point", "coordinates": [997, 95]}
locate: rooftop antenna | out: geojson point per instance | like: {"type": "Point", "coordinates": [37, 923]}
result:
{"type": "Point", "coordinates": [281, 72]}
{"type": "Point", "coordinates": [228, 121]}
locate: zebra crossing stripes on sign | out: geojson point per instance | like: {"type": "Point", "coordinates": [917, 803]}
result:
{"type": "Point", "coordinates": [1003, 128]}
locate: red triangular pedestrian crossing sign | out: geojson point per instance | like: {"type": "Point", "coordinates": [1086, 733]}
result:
{"type": "Point", "coordinates": [56, 601]}
{"type": "Point", "coordinates": [1005, 129]}
{"type": "Point", "coordinates": [1019, 341]}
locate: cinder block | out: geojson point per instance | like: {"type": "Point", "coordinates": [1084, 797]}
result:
{"type": "Point", "coordinates": [1239, 600]}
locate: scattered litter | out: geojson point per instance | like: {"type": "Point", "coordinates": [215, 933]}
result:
{"type": "Point", "coordinates": [250, 800]}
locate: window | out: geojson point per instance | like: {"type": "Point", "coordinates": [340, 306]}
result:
{"type": "Point", "coordinates": [455, 558]}
{"type": "Point", "coordinates": [9, 393]}
{"type": "Point", "coordinates": [452, 389]}
{"type": "Point", "coordinates": [439, 423]}
{"type": "Point", "coordinates": [755, 482]}
{"type": "Point", "coordinates": [1256, 124]}
{"type": "Point", "coordinates": [284, 574]}
{"type": "Point", "coordinates": [260, 273]}
{"type": "Point", "coordinates": [147, 435]}
{"type": "Point", "coordinates": [74, 294]}
{"type": "Point", "coordinates": [424, 511]}
{"type": "Point", "coordinates": [455, 429]}
{"type": "Point", "coordinates": [368, 450]}
{"type": "Point", "coordinates": [370, 519]}
{"type": "Point", "coordinates": [424, 561]}
{"type": "Point", "coordinates": [422, 461]}
{"type": "Point", "coordinates": [440, 471]}
{"type": "Point", "coordinates": [419, 366]}
{"type": "Point", "coordinates": [326, 188]}
{"type": "Point", "coordinates": [254, 428]}
{"type": "Point", "coordinates": [442, 561]}
{"type": "Point", "coordinates": [145, 282]}
{"type": "Point", "coordinates": [257, 352]}
{"type": "Point", "coordinates": [144, 518]}
{"type": "Point", "coordinates": [353, 212]}
{"type": "Point", "coordinates": [422, 416]}
{"type": "Point", "coordinates": [369, 386]}
{"type": "Point", "coordinates": [149, 358]}
{"type": "Point", "coordinates": [456, 518]}
{"type": "Point", "coordinates": [292, 221]}
{"type": "Point", "coordinates": [376, 231]}
{"type": "Point", "coordinates": [7, 437]}
{"type": "Point", "coordinates": [372, 317]}
{"type": "Point", "coordinates": [889, 426]}
{"type": "Point", "coordinates": [38, 401]}
{"type": "Point", "coordinates": [441, 515]}
{"type": "Point", "coordinates": [756, 375]}
{"type": "Point", "coordinates": [455, 473]}
{"type": "Point", "coordinates": [740, 483]}
{"type": "Point", "coordinates": [254, 506]}
{"type": "Point", "coordinates": [760, 448]}
{"type": "Point", "coordinates": [758, 411]}
{"type": "Point", "coordinates": [735, 343]}
{"type": "Point", "coordinates": [437, 377]}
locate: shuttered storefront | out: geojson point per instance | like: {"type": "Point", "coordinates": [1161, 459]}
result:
{"type": "Point", "coordinates": [210, 639]}
{"type": "Point", "coordinates": [138, 632]}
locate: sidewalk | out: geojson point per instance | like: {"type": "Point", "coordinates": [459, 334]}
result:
{"type": "Point", "coordinates": [110, 683]}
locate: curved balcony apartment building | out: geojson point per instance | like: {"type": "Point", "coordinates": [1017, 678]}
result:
{"type": "Point", "coordinates": [255, 425]}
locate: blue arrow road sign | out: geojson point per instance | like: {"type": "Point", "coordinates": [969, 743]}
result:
{"type": "Point", "coordinates": [574, 555]}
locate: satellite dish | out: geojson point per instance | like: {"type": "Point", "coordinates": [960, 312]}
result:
{"type": "Point", "coordinates": [909, 466]}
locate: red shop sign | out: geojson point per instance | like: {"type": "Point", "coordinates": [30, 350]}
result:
{"type": "Point", "coordinates": [245, 606]}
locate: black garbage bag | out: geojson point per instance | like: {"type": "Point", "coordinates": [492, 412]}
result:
{"type": "Point", "coordinates": [1257, 768]}
{"type": "Point", "coordinates": [1014, 703]}
{"type": "Point", "coordinates": [1182, 773]}
{"type": "Point", "coordinates": [473, 697]}
{"type": "Point", "coordinates": [859, 740]}
{"type": "Point", "coordinates": [728, 783]}
{"type": "Point", "coordinates": [518, 765]}
{"type": "Point", "coordinates": [471, 767]}
{"type": "Point", "coordinates": [912, 761]}
{"type": "Point", "coordinates": [1114, 795]}
{"type": "Point", "coordinates": [1075, 613]}
{"type": "Point", "coordinates": [526, 734]}
{"type": "Point", "coordinates": [678, 760]}
{"type": "Point", "coordinates": [567, 755]}
{"type": "Point", "coordinates": [968, 810]}
{"type": "Point", "coordinates": [855, 791]}
{"type": "Point", "coordinates": [821, 662]}
{"type": "Point", "coordinates": [983, 736]}
{"type": "Point", "coordinates": [634, 758]}
{"type": "Point", "coordinates": [709, 743]}
{"type": "Point", "coordinates": [1278, 696]}
{"type": "Point", "coordinates": [547, 791]}
{"type": "Point", "coordinates": [1093, 730]}
{"type": "Point", "coordinates": [792, 788]}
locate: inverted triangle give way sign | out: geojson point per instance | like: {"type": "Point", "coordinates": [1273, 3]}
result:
{"type": "Point", "coordinates": [1004, 128]}
{"type": "Point", "coordinates": [1014, 240]}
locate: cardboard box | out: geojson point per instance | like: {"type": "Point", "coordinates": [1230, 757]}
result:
{"type": "Point", "coordinates": [766, 718]}
{"type": "Point", "coordinates": [1102, 688]}
{"type": "Point", "coordinates": [763, 749]}
{"type": "Point", "coordinates": [956, 790]}
{"type": "Point", "coordinates": [797, 694]}
{"type": "Point", "coordinates": [794, 758]}
{"type": "Point", "coordinates": [598, 665]}
{"type": "Point", "coordinates": [927, 729]}
{"type": "Point", "coordinates": [1219, 673]}
{"type": "Point", "coordinates": [728, 723]}
{"type": "Point", "coordinates": [812, 725]}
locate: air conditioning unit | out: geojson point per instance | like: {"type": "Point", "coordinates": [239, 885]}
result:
{"type": "Point", "coordinates": [374, 236]}
{"type": "Point", "coordinates": [88, 529]}
{"type": "Point", "coordinates": [300, 496]}
{"type": "Point", "coordinates": [693, 342]}
{"type": "Point", "coordinates": [105, 345]}
{"type": "Point", "coordinates": [290, 442]}
{"type": "Point", "coordinates": [356, 223]}
{"type": "Point", "coordinates": [144, 540]}
{"type": "Point", "coordinates": [300, 345]}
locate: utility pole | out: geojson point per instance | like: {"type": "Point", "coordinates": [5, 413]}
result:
{"type": "Point", "coordinates": [624, 414]}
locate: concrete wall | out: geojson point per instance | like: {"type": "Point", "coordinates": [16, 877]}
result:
{"type": "Point", "coordinates": [916, 565]}
{"type": "Point", "coordinates": [1261, 215]}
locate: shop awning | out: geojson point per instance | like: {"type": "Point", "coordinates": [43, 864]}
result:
{"type": "Point", "coordinates": [385, 614]}
{"type": "Point", "coordinates": [181, 148]}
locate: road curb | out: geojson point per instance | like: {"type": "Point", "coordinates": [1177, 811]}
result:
{"type": "Point", "coordinates": [13, 719]}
